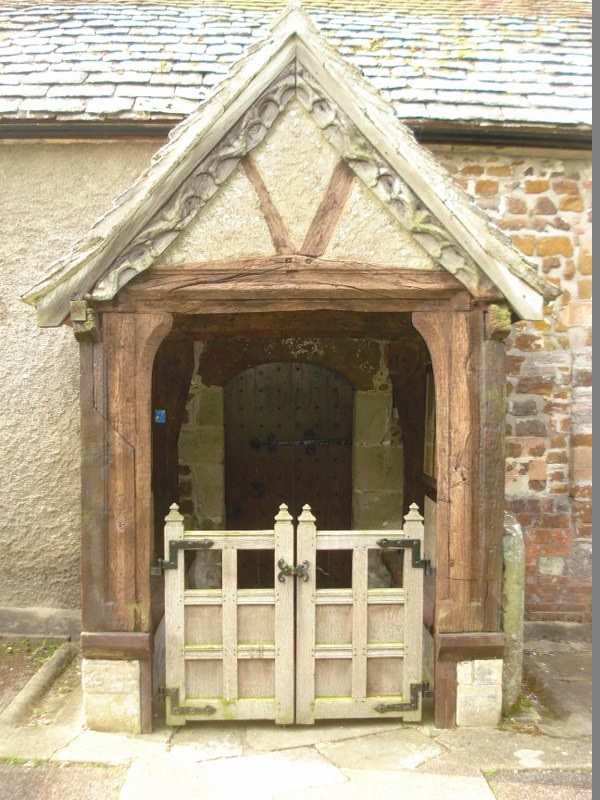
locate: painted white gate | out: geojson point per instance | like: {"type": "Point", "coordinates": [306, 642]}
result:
{"type": "Point", "coordinates": [294, 652]}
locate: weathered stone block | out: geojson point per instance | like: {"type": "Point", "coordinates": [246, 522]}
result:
{"type": "Point", "coordinates": [205, 444]}
{"type": "Point", "coordinates": [580, 563]}
{"type": "Point", "coordinates": [513, 605]}
{"type": "Point", "coordinates": [478, 706]}
{"type": "Point", "coordinates": [554, 246]}
{"type": "Point", "coordinates": [536, 186]}
{"type": "Point", "coordinates": [377, 467]}
{"type": "Point", "coordinates": [372, 415]}
{"type": "Point", "coordinates": [544, 206]}
{"type": "Point", "coordinates": [516, 205]}
{"type": "Point", "coordinates": [487, 672]}
{"type": "Point", "coordinates": [571, 204]}
{"type": "Point", "coordinates": [210, 407]}
{"type": "Point", "coordinates": [525, 243]}
{"type": "Point", "coordinates": [551, 565]}
{"type": "Point", "coordinates": [111, 695]}
{"type": "Point", "coordinates": [377, 510]}
{"type": "Point", "coordinates": [486, 188]}
{"type": "Point", "coordinates": [464, 673]}
{"type": "Point", "coordinates": [210, 489]}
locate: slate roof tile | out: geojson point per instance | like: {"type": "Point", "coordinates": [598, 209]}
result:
{"type": "Point", "coordinates": [521, 61]}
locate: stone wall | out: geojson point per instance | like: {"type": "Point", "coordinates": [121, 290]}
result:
{"type": "Point", "coordinates": [544, 203]}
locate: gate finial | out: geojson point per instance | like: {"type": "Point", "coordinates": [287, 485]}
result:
{"type": "Point", "coordinates": [283, 515]}
{"type": "Point", "coordinates": [306, 515]}
{"type": "Point", "coordinates": [413, 513]}
{"type": "Point", "coordinates": [173, 515]}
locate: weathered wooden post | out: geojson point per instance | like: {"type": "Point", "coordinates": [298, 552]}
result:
{"type": "Point", "coordinates": [284, 612]}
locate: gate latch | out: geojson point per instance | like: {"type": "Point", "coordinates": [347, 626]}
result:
{"type": "Point", "coordinates": [299, 571]}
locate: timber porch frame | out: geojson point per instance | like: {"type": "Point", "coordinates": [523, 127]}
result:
{"type": "Point", "coordinates": [118, 343]}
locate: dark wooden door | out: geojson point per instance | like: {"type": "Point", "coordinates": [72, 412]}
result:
{"type": "Point", "coordinates": [288, 432]}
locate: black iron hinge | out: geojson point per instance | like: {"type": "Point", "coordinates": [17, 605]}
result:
{"type": "Point", "coordinates": [178, 544]}
{"type": "Point", "coordinates": [415, 545]}
{"type": "Point", "coordinates": [173, 695]}
{"type": "Point", "coordinates": [413, 704]}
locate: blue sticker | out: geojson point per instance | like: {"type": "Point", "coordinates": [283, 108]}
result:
{"type": "Point", "coordinates": [160, 415]}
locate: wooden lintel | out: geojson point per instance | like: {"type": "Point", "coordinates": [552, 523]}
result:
{"type": "Point", "coordinates": [275, 301]}
{"type": "Point", "coordinates": [297, 276]}
{"type": "Point", "coordinates": [469, 646]}
{"type": "Point", "coordinates": [116, 645]}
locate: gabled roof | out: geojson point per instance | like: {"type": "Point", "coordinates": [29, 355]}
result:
{"type": "Point", "coordinates": [465, 62]}
{"type": "Point", "coordinates": [426, 199]}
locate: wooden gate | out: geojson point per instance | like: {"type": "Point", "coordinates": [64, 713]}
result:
{"type": "Point", "coordinates": [291, 652]}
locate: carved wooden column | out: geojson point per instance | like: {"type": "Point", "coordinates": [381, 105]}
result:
{"type": "Point", "coordinates": [116, 384]}
{"type": "Point", "coordinates": [470, 493]}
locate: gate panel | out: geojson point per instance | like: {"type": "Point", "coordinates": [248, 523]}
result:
{"type": "Point", "coordinates": [359, 650]}
{"type": "Point", "coordinates": [229, 651]}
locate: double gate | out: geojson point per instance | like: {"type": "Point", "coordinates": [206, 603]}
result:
{"type": "Point", "coordinates": [292, 652]}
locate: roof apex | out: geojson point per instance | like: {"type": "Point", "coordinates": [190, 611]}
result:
{"type": "Point", "coordinates": [294, 43]}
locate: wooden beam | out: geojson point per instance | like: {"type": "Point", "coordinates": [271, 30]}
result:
{"type": "Point", "coordinates": [492, 406]}
{"type": "Point", "coordinates": [435, 328]}
{"type": "Point", "coordinates": [444, 703]}
{"type": "Point", "coordinates": [454, 339]}
{"type": "Point", "coordinates": [92, 400]}
{"type": "Point", "coordinates": [470, 646]}
{"type": "Point", "coordinates": [279, 325]}
{"type": "Point", "coordinates": [130, 343]}
{"type": "Point", "coordinates": [285, 283]}
{"type": "Point", "coordinates": [329, 211]}
{"type": "Point", "coordinates": [279, 233]}
{"type": "Point", "coordinates": [116, 645]}
{"type": "Point", "coordinates": [173, 368]}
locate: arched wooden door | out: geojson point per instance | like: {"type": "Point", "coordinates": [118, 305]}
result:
{"type": "Point", "coordinates": [288, 437]}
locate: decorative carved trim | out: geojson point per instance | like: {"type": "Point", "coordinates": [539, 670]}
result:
{"type": "Point", "coordinates": [388, 186]}
{"type": "Point", "coordinates": [199, 187]}
{"type": "Point", "coordinates": [364, 160]}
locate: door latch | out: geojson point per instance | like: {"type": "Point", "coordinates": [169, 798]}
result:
{"type": "Point", "coordinates": [299, 571]}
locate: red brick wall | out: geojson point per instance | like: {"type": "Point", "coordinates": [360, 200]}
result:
{"type": "Point", "coordinates": [544, 203]}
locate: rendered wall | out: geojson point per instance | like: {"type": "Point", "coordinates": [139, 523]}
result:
{"type": "Point", "coordinates": [51, 193]}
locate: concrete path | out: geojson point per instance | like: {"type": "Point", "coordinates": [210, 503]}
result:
{"type": "Point", "coordinates": [545, 753]}
{"type": "Point", "coordinates": [352, 760]}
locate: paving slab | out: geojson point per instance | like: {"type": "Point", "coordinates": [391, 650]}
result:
{"type": "Point", "coordinates": [57, 782]}
{"type": "Point", "coordinates": [495, 749]}
{"type": "Point", "coordinates": [36, 743]}
{"type": "Point", "coordinates": [112, 748]}
{"type": "Point", "coordinates": [207, 742]}
{"type": "Point", "coordinates": [254, 777]}
{"type": "Point", "coordinates": [403, 749]}
{"type": "Point", "coordinates": [542, 784]}
{"type": "Point", "coordinates": [410, 785]}
{"type": "Point", "coordinates": [271, 737]}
